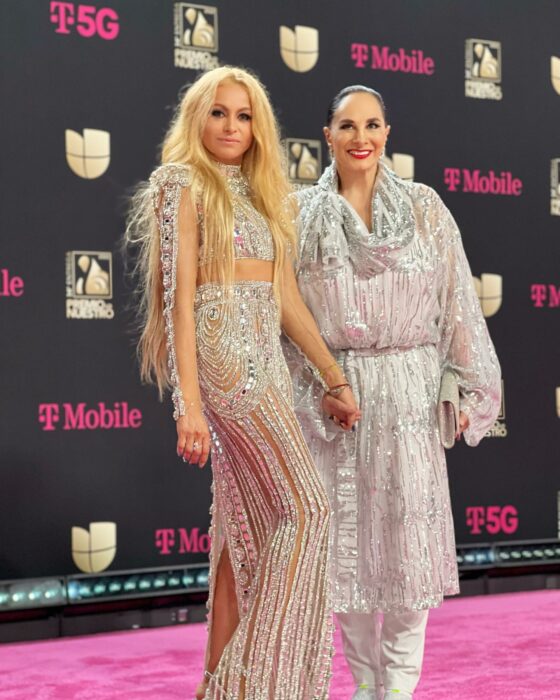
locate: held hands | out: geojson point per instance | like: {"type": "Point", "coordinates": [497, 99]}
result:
{"type": "Point", "coordinates": [193, 437]}
{"type": "Point", "coordinates": [342, 409]}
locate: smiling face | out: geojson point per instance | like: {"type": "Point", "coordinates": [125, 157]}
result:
{"type": "Point", "coordinates": [357, 133]}
{"type": "Point", "coordinates": [228, 132]}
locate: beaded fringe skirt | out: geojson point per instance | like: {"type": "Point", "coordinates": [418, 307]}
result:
{"type": "Point", "coordinates": [270, 514]}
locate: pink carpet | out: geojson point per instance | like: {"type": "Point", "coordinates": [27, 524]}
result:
{"type": "Point", "coordinates": [503, 647]}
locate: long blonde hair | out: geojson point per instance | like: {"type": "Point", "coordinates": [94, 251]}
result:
{"type": "Point", "coordinates": [263, 165]}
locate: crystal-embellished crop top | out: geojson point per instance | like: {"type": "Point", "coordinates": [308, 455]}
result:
{"type": "Point", "coordinates": [251, 234]}
{"type": "Point", "coordinates": [252, 238]}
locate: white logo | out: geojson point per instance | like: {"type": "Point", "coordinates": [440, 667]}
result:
{"type": "Point", "coordinates": [304, 160]}
{"type": "Point", "coordinates": [93, 550]}
{"type": "Point", "coordinates": [489, 291]}
{"type": "Point", "coordinates": [402, 164]}
{"type": "Point", "coordinates": [89, 284]}
{"type": "Point", "coordinates": [555, 186]}
{"type": "Point", "coordinates": [483, 69]}
{"type": "Point", "coordinates": [196, 36]}
{"type": "Point", "coordinates": [88, 156]}
{"type": "Point", "coordinates": [299, 47]}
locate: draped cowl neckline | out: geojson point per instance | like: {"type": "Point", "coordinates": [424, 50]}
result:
{"type": "Point", "coordinates": [326, 214]}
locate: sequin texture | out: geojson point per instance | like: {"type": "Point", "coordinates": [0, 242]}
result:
{"type": "Point", "coordinates": [396, 306]}
{"type": "Point", "coordinates": [270, 512]}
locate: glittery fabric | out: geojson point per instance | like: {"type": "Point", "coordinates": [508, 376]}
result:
{"type": "Point", "coordinates": [396, 306]}
{"type": "Point", "coordinates": [270, 512]}
{"type": "Point", "coordinates": [167, 182]}
{"type": "Point", "coordinates": [249, 224]}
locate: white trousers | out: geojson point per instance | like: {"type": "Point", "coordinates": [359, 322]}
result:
{"type": "Point", "coordinates": [384, 650]}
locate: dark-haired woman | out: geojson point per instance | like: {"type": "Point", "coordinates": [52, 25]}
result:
{"type": "Point", "coordinates": [384, 272]}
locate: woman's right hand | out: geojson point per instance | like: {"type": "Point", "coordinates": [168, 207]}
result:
{"type": "Point", "coordinates": [343, 408]}
{"type": "Point", "coordinates": [193, 437]}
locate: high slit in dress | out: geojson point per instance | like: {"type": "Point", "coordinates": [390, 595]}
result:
{"type": "Point", "coordinates": [270, 513]}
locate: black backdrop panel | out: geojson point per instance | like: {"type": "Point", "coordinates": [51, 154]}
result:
{"type": "Point", "coordinates": [81, 440]}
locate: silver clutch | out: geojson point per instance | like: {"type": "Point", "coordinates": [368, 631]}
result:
{"type": "Point", "coordinates": [448, 409]}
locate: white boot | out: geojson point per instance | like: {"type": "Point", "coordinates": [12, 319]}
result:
{"type": "Point", "coordinates": [364, 692]}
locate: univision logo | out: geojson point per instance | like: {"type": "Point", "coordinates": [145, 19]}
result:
{"type": "Point", "coordinates": [489, 291]}
{"type": "Point", "coordinates": [88, 154]}
{"type": "Point", "coordinates": [299, 47]}
{"type": "Point", "coordinates": [93, 550]}
{"type": "Point", "coordinates": [402, 164]}
{"type": "Point", "coordinates": [555, 73]}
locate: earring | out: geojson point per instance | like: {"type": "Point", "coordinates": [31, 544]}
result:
{"type": "Point", "coordinates": [331, 152]}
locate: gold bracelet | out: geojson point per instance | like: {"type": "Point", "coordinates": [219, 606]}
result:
{"type": "Point", "coordinates": [322, 372]}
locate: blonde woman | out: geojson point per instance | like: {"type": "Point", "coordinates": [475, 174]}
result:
{"type": "Point", "coordinates": [216, 289]}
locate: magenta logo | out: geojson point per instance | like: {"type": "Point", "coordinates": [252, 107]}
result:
{"type": "Point", "coordinates": [182, 540]}
{"type": "Point", "coordinates": [545, 295]}
{"type": "Point", "coordinates": [399, 61]}
{"type": "Point", "coordinates": [464, 180]}
{"type": "Point", "coordinates": [492, 519]}
{"type": "Point", "coordinates": [87, 20]}
{"type": "Point", "coordinates": [80, 417]}
{"type": "Point", "coordinates": [10, 286]}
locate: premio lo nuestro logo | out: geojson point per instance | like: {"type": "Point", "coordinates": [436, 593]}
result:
{"type": "Point", "coordinates": [299, 47]}
{"type": "Point", "coordinates": [402, 164]}
{"type": "Point", "coordinates": [555, 73]}
{"type": "Point", "coordinates": [489, 291]}
{"type": "Point", "coordinates": [93, 550]}
{"type": "Point", "coordinates": [195, 36]}
{"type": "Point", "coordinates": [89, 284]}
{"type": "Point", "coordinates": [304, 160]}
{"type": "Point", "coordinates": [555, 186]}
{"type": "Point", "coordinates": [483, 69]}
{"type": "Point", "coordinates": [88, 154]}
{"type": "Point", "coordinates": [499, 429]}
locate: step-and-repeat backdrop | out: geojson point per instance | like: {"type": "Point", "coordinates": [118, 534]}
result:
{"type": "Point", "coordinates": [89, 479]}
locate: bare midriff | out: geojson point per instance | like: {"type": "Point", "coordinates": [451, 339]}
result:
{"type": "Point", "coordinates": [245, 270]}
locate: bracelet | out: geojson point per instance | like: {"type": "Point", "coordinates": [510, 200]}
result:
{"type": "Point", "coordinates": [322, 372]}
{"type": "Point", "coordinates": [337, 390]}
{"type": "Point", "coordinates": [182, 411]}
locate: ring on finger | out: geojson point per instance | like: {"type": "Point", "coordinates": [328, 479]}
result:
{"type": "Point", "coordinates": [195, 445]}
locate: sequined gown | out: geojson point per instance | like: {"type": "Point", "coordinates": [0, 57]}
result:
{"type": "Point", "coordinates": [396, 306]}
{"type": "Point", "coordinates": [269, 512]}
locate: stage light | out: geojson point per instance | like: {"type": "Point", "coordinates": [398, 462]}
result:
{"type": "Point", "coordinates": [134, 584]}
{"type": "Point", "coordinates": [510, 554]}
{"type": "Point", "coordinates": [33, 593]}
{"type": "Point", "coordinates": [202, 578]}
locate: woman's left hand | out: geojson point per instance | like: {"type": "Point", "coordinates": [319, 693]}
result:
{"type": "Point", "coordinates": [463, 423]}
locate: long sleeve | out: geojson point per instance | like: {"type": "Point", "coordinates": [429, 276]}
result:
{"type": "Point", "coordinates": [465, 345]}
{"type": "Point", "coordinates": [168, 183]}
{"type": "Point", "coordinates": [306, 353]}
{"type": "Point", "coordinates": [308, 394]}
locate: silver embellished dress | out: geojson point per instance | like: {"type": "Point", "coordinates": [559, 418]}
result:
{"type": "Point", "coordinates": [270, 512]}
{"type": "Point", "coordinates": [396, 305]}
